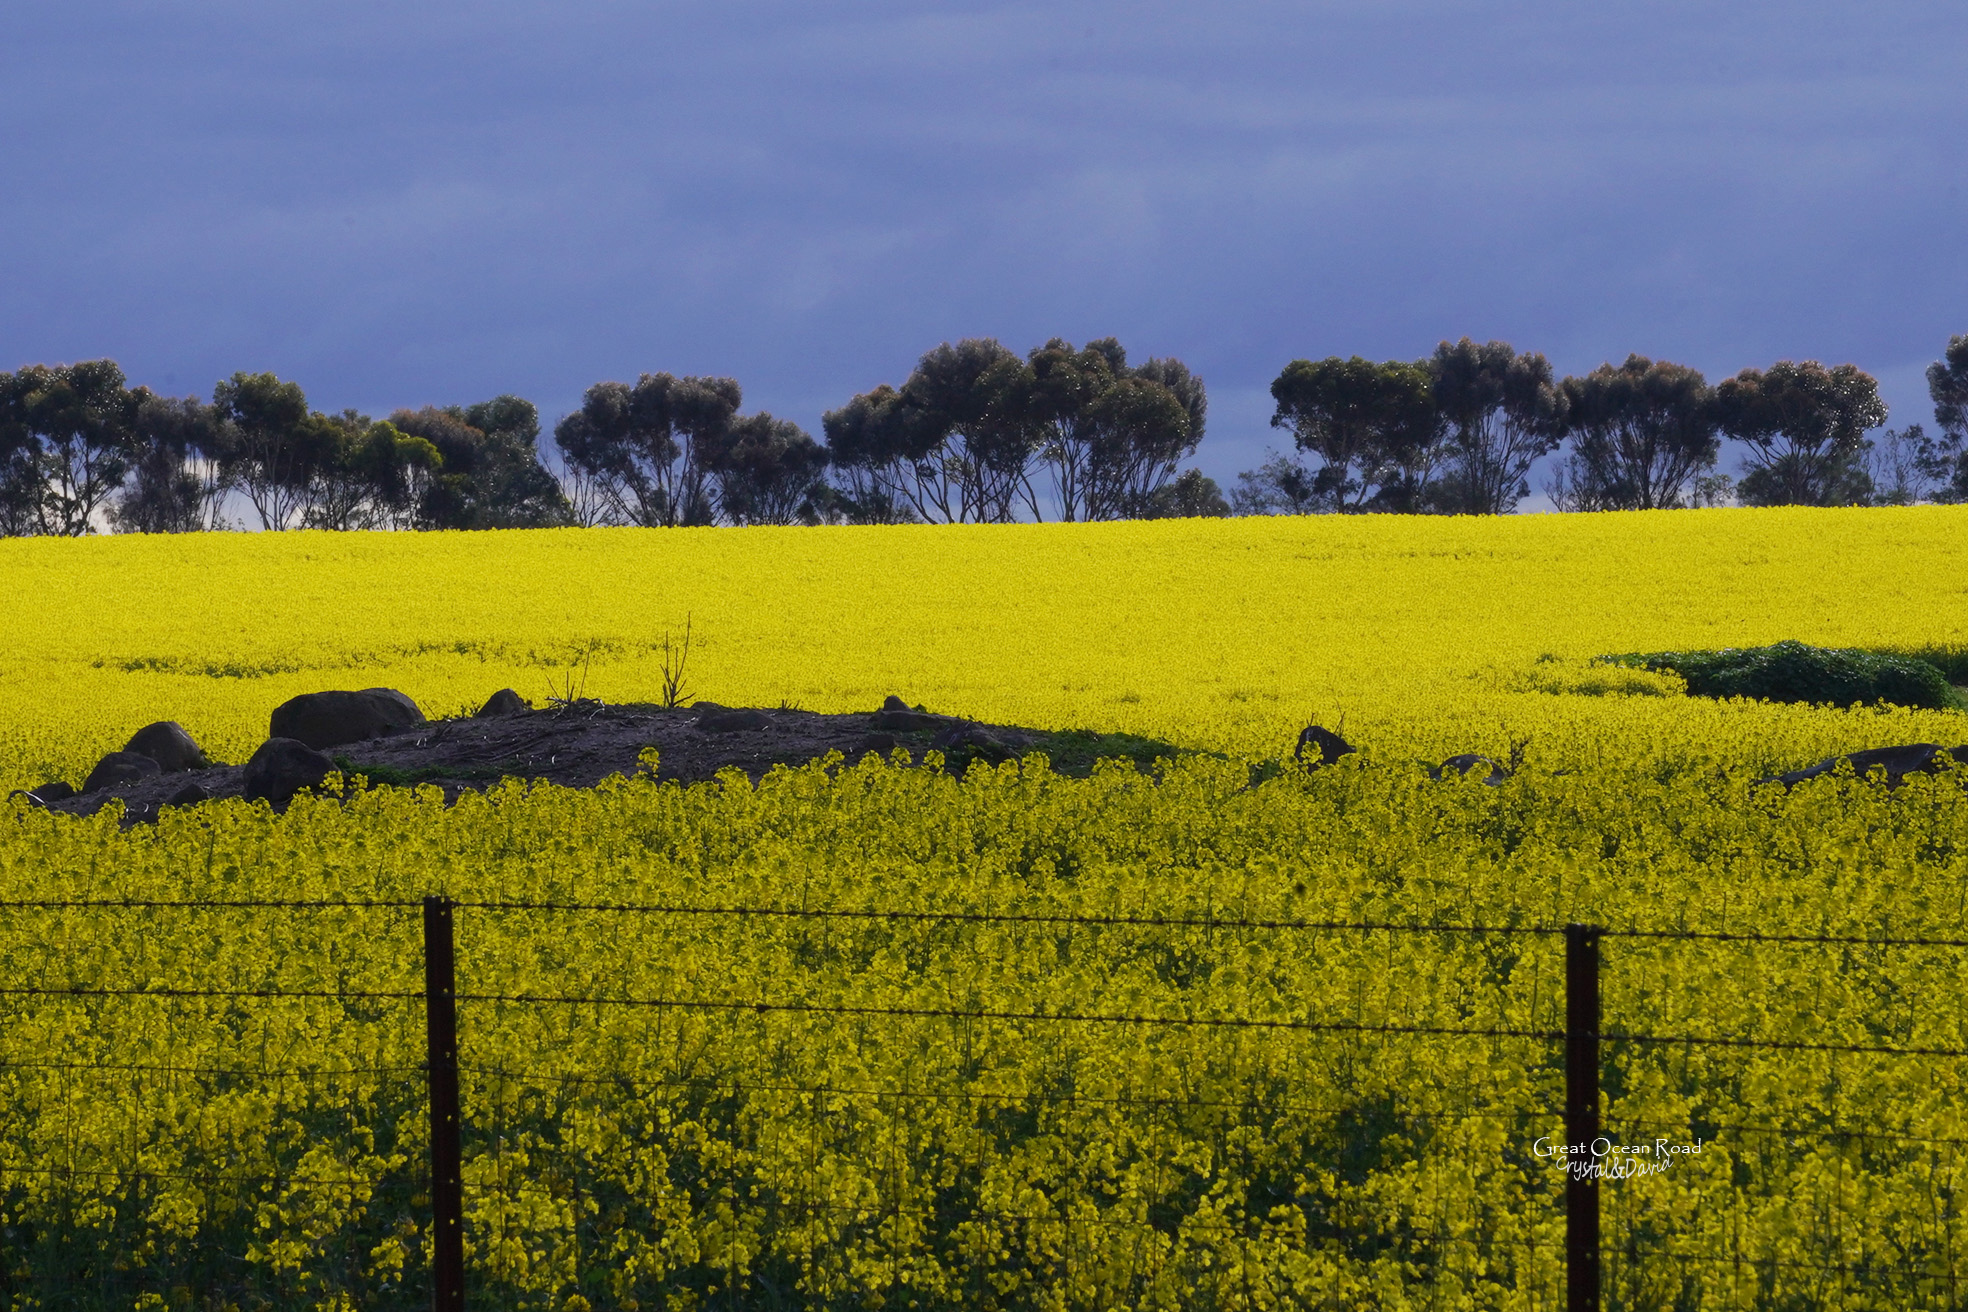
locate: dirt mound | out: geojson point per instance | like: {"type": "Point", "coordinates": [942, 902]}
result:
{"type": "Point", "coordinates": [580, 744]}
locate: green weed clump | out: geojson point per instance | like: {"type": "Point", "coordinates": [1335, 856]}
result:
{"type": "Point", "coordinates": [1790, 671]}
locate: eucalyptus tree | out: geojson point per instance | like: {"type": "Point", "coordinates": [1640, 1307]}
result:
{"type": "Point", "coordinates": [1640, 435]}
{"type": "Point", "coordinates": [1805, 428]}
{"type": "Point", "coordinates": [70, 443]}
{"type": "Point", "coordinates": [273, 445]}
{"type": "Point", "coordinates": [976, 434]}
{"type": "Point", "coordinates": [1110, 436]}
{"type": "Point", "coordinates": [651, 448]}
{"type": "Point", "coordinates": [364, 473]}
{"type": "Point", "coordinates": [770, 471]}
{"type": "Point", "coordinates": [1373, 426]}
{"type": "Point", "coordinates": [1944, 458]}
{"type": "Point", "coordinates": [952, 445]}
{"type": "Point", "coordinates": [183, 468]}
{"type": "Point", "coordinates": [490, 474]}
{"type": "Point", "coordinates": [1501, 411]}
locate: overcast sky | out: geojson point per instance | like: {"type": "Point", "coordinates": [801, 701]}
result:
{"type": "Point", "coordinates": [398, 204]}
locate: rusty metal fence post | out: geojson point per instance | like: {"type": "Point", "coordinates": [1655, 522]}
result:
{"type": "Point", "coordinates": [1581, 1117]}
{"type": "Point", "coordinates": [446, 1149]}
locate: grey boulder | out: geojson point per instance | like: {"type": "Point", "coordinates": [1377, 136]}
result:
{"type": "Point", "coordinates": [503, 702]}
{"type": "Point", "coordinates": [120, 768]}
{"type": "Point", "coordinates": [190, 795]}
{"type": "Point", "coordinates": [1466, 762]}
{"type": "Point", "coordinates": [167, 743]}
{"type": "Point", "coordinates": [1896, 762]}
{"type": "Point", "coordinates": [897, 716]}
{"type": "Point", "coordinates": [1328, 745]}
{"type": "Point", "coordinates": [329, 719]}
{"type": "Point", "coordinates": [281, 768]}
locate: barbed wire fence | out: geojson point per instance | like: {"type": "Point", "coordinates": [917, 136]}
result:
{"type": "Point", "coordinates": [433, 1190]}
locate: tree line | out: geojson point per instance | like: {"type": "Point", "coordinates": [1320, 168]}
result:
{"type": "Point", "coordinates": [1458, 433]}
{"type": "Point", "coordinates": [975, 434]}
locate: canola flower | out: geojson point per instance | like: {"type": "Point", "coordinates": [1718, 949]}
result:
{"type": "Point", "coordinates": [881, 1112]}
{"type": "Point", "coordinates": [872, 1112]}
{"type": "Point", "coordinates": [1425, 633]}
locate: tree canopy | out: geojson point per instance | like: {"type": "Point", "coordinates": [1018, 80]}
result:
{"type": "Point", "coordinates": [489, 473]}
{"type": "Point", "coordinates": [67, 442]}
{"type": "Point", "coordinates": [1943, 459]}
{"type": "Point", "coordinates": [1500, 411]}
{"type": "Point", "coordinates": [1374, 428]}
{"type": "Point", "coordinates": [975, 434]}
{"type": "Point", "coordinates": [673, 451]}
{"type": "Point", "coordinates": [1805, 427]}
{"type": "Point", "coordinates": [1642, 432]}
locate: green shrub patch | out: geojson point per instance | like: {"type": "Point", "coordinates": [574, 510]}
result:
{"type": "Point", "coordinates": [1790, 671]}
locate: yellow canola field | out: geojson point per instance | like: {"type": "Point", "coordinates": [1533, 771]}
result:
{"type": "Point", "coordinates": [1009, 1043]}
{"type": "Point", "coordinates": [1425, 633]}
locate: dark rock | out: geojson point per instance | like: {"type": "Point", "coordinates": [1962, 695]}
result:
{"type": "Point", "coordinates": [735, 722]}
{"type": "Point", "coordinates": [877, 742]}
{"type": "Point", "coordinates": [970, 738]}
{"type": "Point", "coordinates": [503, 702]}
{"type": "Point", "coordinates": [1330, 746]}
{"type": "Point", "coordinates": [1896, 762]}
{"type": "Point", "coordinates": [166, 743]}
{"type": "Point", "coordinates": [702, 709]}
{"type": "Point", "coordinates": [55, 790]}
{"type": "Point", "coordinates": [32, 800]}
{"type": "Point", "coordinates": [282, 767]}
{"type": "Point", "coordinates": [190, 795]}
{"type": "Point", "coordinates": [329, 719]}
{"type": "Point", "coordinates": [1468, 761]}
{"type": "Point", "coordinates": [898, 716]}
{"type": "Point", "coordinates": [120, 768]}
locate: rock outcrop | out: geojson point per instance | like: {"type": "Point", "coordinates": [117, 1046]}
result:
{"type": "Point", "coordinates": [1465, 762]}
{"type": "Point", "coordinates": [1895, 762]}
{"type": "Point", "coordinates": [330, 719]}
{"type": "Point", "coordinates": [120, 768]}
{"type": "Point", "coordinates": [282, 767]}
{"type": "Point", "coordinates": [503, 702]}
{"type": "Point", "coordinates": [167, 743]}
{"type": "Point", "coordinates": [735, 722]}
{"type": "Point", "coordinates": [897, 716]}
{"type": "Point", "coordinates": [1327, 745]}
{"type": "Point", "coordinates": [979, 742]}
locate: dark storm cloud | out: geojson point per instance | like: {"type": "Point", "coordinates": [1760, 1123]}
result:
{"type": "Point", "coordinates": [407, 204]}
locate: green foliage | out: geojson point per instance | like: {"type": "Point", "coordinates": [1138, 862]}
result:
{"type": "Point", "coordinates": [1641, 434]}
{"type": "Point", "coordinates": [1373, 426]}
{"type": "Point", "coordinates": [488, 473]}
{"type": "Point", "coordinates": [1501, 411]}
{"type": "Point", "coordinates": [968, 435]}
{"type": "Point", "coordinates": [1790, 671]}
{"type": "Point", "coordinates": [1192, 495]}
{"type": "Point", "coordinates": [66, 444]}
{"type": "Point", "coordinates": [1805, 429]}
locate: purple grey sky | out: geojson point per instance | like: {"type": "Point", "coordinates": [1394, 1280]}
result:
{"type": "Point", "coordinates": [407, 204]}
